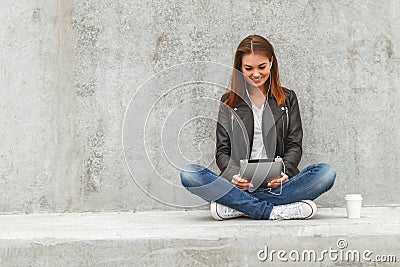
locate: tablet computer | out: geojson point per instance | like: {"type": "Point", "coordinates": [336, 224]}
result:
{"type": "Point", "coordinates": [260, 171]}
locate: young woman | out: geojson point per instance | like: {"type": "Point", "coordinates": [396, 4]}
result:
{"type": "Point", "coordinates": [258, 118]}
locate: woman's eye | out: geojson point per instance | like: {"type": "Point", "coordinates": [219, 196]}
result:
{"type": "Point", "coordinates": [261, 68]}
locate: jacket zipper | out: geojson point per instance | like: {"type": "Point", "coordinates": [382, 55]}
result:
{"type": "Point", "coordinates": [232, 119]}
{"type": "Point", "coordinates": [283, 127]}
{"type": "Point", "coordinates": [283, 137]}
{"type": "Point", "coordinates": [287, 117]}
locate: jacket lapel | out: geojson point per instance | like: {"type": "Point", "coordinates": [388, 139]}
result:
{"type": "Point", "coordinates": [271, 115]}
{"type": "Point", "coordinates": [248, 121]}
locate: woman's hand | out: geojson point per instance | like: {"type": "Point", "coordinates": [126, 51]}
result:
{"type": "Point", "coordinates": [276, 182]}
{"type": "Point", "coordinates": [241, 182]}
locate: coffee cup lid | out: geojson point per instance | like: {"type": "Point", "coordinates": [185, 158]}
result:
{"type": "Point", "coordinates": [353, 197]}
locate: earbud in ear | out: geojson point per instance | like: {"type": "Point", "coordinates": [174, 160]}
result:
{"type": "Point", "coordinates": [270, 66]}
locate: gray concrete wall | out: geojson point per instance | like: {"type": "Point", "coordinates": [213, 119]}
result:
{"type": "Point", "coordinates": [68, 70]}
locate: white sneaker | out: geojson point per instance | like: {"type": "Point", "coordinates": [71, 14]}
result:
{"type": "Point", "coordinates": [304, 209]}
{"type": "Point", "coordinates": [220, 212]}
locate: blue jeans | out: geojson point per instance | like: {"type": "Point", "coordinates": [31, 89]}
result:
{"type": "Point", "coordinates": [310, 183]}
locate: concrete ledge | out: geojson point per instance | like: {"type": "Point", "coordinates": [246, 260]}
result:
{"type": "Point", "coordinates": [191, 238]}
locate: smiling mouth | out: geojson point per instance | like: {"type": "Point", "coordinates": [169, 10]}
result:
{"type": "Point", "coordinates": [257, 80]}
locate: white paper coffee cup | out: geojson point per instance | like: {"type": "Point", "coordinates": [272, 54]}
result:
{"type": "Point", "coordinates": [353, 205]}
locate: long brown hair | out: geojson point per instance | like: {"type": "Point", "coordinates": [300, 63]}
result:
{"type": "Point", "coordinates": [260, 45]}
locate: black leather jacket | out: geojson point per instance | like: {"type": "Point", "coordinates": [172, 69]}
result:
{"type": "Point", "coordinates": [235, 133]}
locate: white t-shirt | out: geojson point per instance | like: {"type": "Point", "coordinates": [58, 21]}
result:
{"type": "Point", "coordinates": [258, 149]}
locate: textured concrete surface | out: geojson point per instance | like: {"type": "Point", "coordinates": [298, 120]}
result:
{"type": "Point", "coordinates": [191, 238]}
{"type": "Point", "coordinates": [68, 70]}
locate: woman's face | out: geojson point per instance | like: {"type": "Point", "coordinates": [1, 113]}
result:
{"type": "Point", "coordinates": [256, 68]}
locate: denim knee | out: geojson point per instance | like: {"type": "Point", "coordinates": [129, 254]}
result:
{"type": "Point", "coordinates": [190, 175]}
{"type": "Point", "coordinates": [328, 175]}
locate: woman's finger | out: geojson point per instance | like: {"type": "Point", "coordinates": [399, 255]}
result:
{"type": "Point", "coordinates": [244, 185]}
{"type": "Point", "coordinates": [283, 178]}
{"type": "Point", "coordinates": [278, 181]}
{"type": "Point", "coordinates": [242, 180]}
{"type": "Point", "coordinates": [236, 178]}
